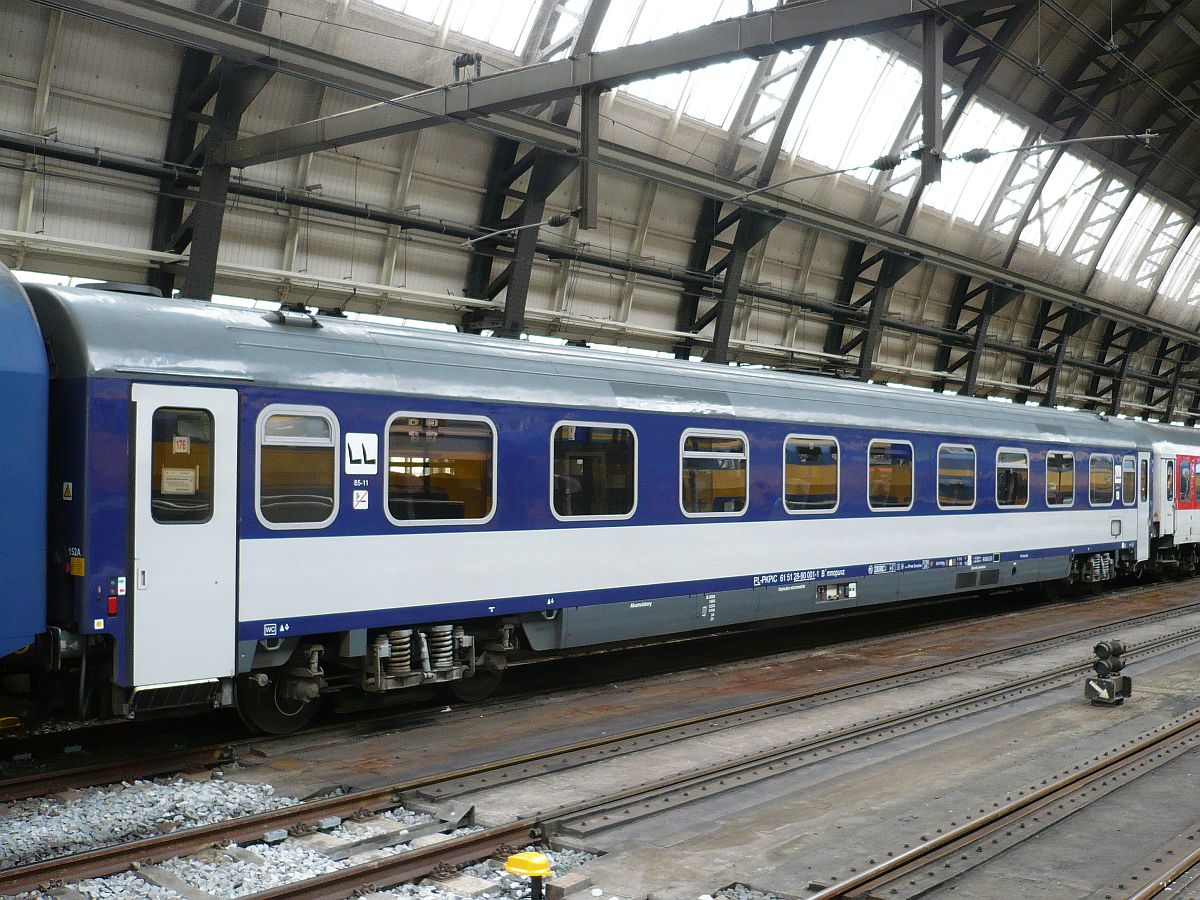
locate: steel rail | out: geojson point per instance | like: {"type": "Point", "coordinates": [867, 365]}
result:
{"type": "Point", "coordinates": [934, 849]}
{"type": "Point", "coordinates": [36, 784]}
{"type": "Point", "coordinates": [108, 860]}
{"type": "Point", "coordinates": [1164, 881]}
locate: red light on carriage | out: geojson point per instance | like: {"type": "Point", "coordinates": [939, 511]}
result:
{"type": "Point", "coordinates": [112, 605]}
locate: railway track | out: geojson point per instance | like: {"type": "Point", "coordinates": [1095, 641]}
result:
{"type": "Point", "coordinates": [963, 846]}
{"type": "Point", "coordinates": [42, 782]}
{"type": "Point", "coordinates": [597, 812]}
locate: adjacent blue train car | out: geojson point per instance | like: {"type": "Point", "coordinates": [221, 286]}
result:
{"type": "Point", "coordinates": [24, 382]}
{"type": "Point", "coordinates": [258, 508]}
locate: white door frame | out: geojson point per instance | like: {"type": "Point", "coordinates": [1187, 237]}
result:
{"type": "Point", "coordinates": [1166, 501]}
{"type": "Point", "coordinates": [1143, 506]}
{"type": "Point", "coordinates": [185, 573]}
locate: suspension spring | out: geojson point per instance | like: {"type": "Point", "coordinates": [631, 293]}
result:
{"type": "Point", "coordinates": [441, 646]}
{"type": "Point", "coordinates": [400, 644]}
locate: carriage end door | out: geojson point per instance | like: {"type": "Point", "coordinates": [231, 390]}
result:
{"type": "Point", "coordinates": [1143, 506]}
{"type": "Point", "coordinates": [184, 533]}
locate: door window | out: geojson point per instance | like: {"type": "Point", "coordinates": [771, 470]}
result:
{"type": "Point", "coordinates": [1144, 490]}
{"type": "Point", "coordinates": [181, 466]}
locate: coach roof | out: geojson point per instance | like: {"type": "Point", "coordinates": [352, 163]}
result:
{"type": "Point", "coordinates": [99, 333]}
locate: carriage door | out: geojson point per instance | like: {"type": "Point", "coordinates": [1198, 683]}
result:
{"type": "Point", "coordinates": [184, 533]}
{"type": "Point", "coordinates": [1166, 505]}
{"type": "Point", "coordinates": [1143, 506]}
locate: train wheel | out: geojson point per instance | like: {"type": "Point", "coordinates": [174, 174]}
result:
{"type": "Point", "coordinates": [265, 711]}
{"type": "Point", "coordinates": [478, 687]}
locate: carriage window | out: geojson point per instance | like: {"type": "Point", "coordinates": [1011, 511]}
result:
{"type": "Point", "coordinates": [181, 462]}
{"type": "Point", "coordinates": [1144, 491]}
{"type": "Point", "coordinates": [1100, 479]}
{"type": "Point", "coordinates": [297, 469]}
{"type": "Point", "coordinates": [595, 470]}
{"type": "Point", "coordinates": [956, 476]}
{"type": "Point", "coordinates": [1012, 478]}
{"type": "Point", "coordinates": [713, 474]}
{"type": "Point", "coordinates": [1060, 478]}
{"type": "Point", "coordinates": [440, 470]}
{"type": "Point", "coordinates": [890, 475]}
{"type": "Point", "coordinates": [1128, 481]}
{"type": "Point", "coordinates": [1185, 481]}
{"type": "Point", "coordinates": [810, 474]}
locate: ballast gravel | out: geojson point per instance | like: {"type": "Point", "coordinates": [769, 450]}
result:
{"type": "Point", "coordinates": [511, 887]}
{"type": "Point", "coordinates": [45, 827]}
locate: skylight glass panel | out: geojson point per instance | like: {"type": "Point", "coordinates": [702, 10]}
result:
{"type": "Point", "coordinates": [1163, 241]}
{"type": "Point", "coordinates": [1110, 197]}
{"type": "Point", "coordinates": [664, 90]}
{"type": "Point", "coordinates": [503, 25]}
{"type": "Point", "coordinates": [425, 10]}
{"type": "Point", "coordinates": [853, 106]}
{"type": "Point", "coordinates": [966, 189]}
{"type": "Point", "coordinates": [713, 93]}
{"type": "Point", "coordinates": [775, 90]}
{"type": "Point", "coordinates": [637, 21]}
{"type": "Point", "coordinates": [1128, 244]}
{"type": "Point", "coordinates": [711, 97]}
{"type": "Point", "coordinates": [1181, 283]}
{"type": "Point", "coordinates": [1060, 203]}
{"type": "Point", "coordinates": [570, 14]}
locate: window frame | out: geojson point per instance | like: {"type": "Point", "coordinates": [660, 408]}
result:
{"type": "Point", "coordinates": [696, 454]}
{"type": "Point", "coordinates": [636, 472]}
{"type": "Point", "coordinates": [1074, 478]}
{"type": "Point", "coordinates": [387, 471]}
{"type": "Point", "coordinates": [260, 440]}
{"type": "Point", "coordinates": [783, 483]}
{"type": "Point", "coordinates": [938, 475]}
{"type": "Point", "coordinates": [1111, 462]}
{"type": "Point", "coordinates": [996, 478]}
{"type": "Point", "coordinates": [912, 496]}
{"type": "Point", "coordinates": [1129, 457]}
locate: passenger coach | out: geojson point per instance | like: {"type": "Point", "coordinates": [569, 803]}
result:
{"type": "Point", "coordinates": [252, 509]}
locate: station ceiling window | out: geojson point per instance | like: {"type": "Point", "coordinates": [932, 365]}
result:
{"type": "Point", "coordinates": [966, 189]}
{"type": "Point", "coordinates": [505, 25]}
{"type": "Point", "coordinates": [853, 106]}
{"type": "Point", "coordinates": [1181, 283]}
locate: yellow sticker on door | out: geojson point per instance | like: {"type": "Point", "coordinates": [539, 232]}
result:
{"type": "Point", "coordinates": [77, 565]}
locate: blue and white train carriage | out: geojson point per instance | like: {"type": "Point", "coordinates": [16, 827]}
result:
{"type": "Point", "coordinates": [253, 509]}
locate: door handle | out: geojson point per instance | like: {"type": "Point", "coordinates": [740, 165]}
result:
{"type": "Point", "coordinates": [141, 579]}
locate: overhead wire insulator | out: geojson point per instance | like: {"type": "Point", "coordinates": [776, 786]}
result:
{"type": "Point", "coordinates": [888, 162]}
{"type": "Point", "coordinates": [977, 155]}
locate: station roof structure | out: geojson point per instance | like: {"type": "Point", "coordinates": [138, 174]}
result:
{"type": "Point", "coordinates": [994, 198]}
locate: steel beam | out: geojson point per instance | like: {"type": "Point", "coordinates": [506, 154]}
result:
{"type": "Point", "coordinates": [932, 41]}
{"type": "Point", "coordinates": [752, 228]}
{"type": "Point", "coordinates": [754, 35]}
{"type": "Point", "coordinates": [239, 86]}
{"type": "Point", "coordinates": [861, 272]}
{"type": "Point", "coordinates": [546, 172]}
